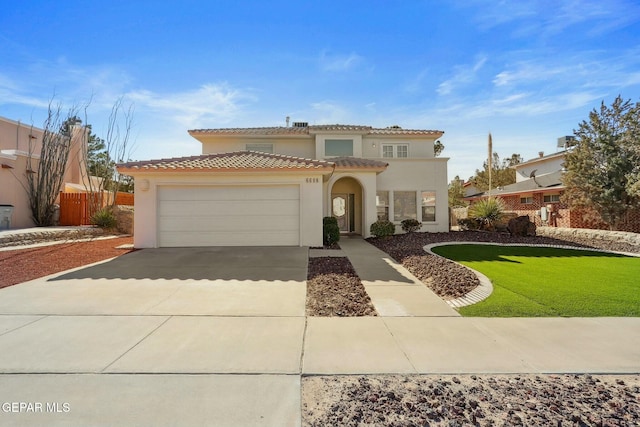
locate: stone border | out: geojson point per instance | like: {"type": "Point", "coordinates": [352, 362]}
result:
{"type": "Point", "coordinates": [482, 291]}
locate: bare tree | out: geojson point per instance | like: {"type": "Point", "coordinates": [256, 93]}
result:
{"type": "Point", "coordinates": [45, 180]}
{"type": "Point", "coordinates": [117, 141]}
{"type": "Point", "coordinates": [100, 155]}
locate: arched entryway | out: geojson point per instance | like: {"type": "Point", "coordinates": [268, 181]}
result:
{"type": "Point", "coordinates": [346, 204]}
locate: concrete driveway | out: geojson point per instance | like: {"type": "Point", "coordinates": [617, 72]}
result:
{"type": "Point", "coordinates": [217, 281]}
{"type": "Point", "coordinates": [158, 337]}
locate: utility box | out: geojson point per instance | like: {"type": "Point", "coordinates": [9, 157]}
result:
{"type": "Point", "coordinates": [5, 216]}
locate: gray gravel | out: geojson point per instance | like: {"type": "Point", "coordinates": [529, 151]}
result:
{"type": "Point", "coordinates": [471, 400]}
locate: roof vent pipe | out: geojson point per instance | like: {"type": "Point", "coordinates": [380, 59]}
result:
{"type": "Point", "coordinates": [541, 153]}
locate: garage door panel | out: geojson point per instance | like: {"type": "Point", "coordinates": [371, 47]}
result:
{"type": "Point", "coordinates": [228, 216]}
{"type": "Point", "coordinates": [227, 207]}
{"type": "Point", "coordinates": [171, 239]}
{"type": "Point", "coordinates": [224, 224]}
{"type": "Point", "coordinates": [237, 193]}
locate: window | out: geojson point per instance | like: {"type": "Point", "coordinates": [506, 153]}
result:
{"type": "Point", "coordinates": [526, 200]}
{"type": "Point", "coordinates": [404, 205]}
{"type": "Point", "coordinates": [382, 205]}
{"type": "Point", "coordinates": [262, 148]}
{"type": "Point", "coordinates": [338, 147]}
{"type": "Point", "coordinates": [429, 206]}
{"type": "Point", "coordinates": [395, 150]}
{"type": "Point", "coordinates": [552, 198]}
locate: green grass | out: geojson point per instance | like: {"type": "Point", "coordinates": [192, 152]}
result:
{"type": "Point", "coordinates": [535, 281]}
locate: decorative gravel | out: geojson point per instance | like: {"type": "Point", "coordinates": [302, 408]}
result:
{"type": "Point", "coordinates": [21, 265]}
{"type": "Point", "coordinates": [334, 289]}
{"type": "Point", "coordinates": [471, 400]}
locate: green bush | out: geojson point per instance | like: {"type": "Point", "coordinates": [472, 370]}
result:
{"type": "Point", "coordinates": [487, 212]}
{"type": "Point", "coordinates": [410, 225]}
{"type": "Point", "coordinates": [330, 230]}
{"type": "Point", "coordinates": [382, 228]}
{"type": "Point", "coordinates": [104, 218]}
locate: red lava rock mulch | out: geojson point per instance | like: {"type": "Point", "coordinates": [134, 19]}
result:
{"type": "Point", "coordinates": [21, 265]}
{"type": "Point", "coordinates": [334, 289]}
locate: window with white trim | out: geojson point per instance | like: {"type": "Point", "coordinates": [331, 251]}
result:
{"type": "Point", "coordinates": [395, 150]}
{"type": "Point", "coordinates": [551, 198]}
{"type": "Point", "coordinates": [428, 206]}
{"type": "Point", "coordinates": [404, 205]}
{"type": "Point", "coordinates": [262, 148]}
{"type": "Point", "coordinates": [382, 205]}
{"type": "Point", "coordinates": [528, 200]}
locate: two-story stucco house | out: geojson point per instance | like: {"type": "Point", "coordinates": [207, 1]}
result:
{"type": "Point", "coordinates": [272, 186]}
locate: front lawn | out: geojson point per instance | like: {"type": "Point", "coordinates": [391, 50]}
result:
{"type": "Point", "coordinates": [537, 281]}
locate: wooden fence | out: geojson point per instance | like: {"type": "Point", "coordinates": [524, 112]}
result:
{"type": "Point", "coordinates": [124, 199]}
{"type": "Point", "coordinates": [78, 208]}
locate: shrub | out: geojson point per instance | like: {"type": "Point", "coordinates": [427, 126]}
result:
{"type": "Point", "coordinates": [330, 230]}
{"type": "Point", "coordinates": [382, 228]}
{"type": "Point", "coordinates": [468, 224]}
{"type": "Point", "coordinates": [410, 225]}
{"type": "Point", "coordinates": [104, 218]}
{"type": "Point", "coordinates": [487, 212]}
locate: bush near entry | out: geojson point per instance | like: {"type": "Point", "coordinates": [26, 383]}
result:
{"type": "Point", "coordinates": [330, 230]}
{"type": "Point", "coordinates": [382, 228]}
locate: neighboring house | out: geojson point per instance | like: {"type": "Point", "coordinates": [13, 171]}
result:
{"type": "Point", "coordinates": [272, 186]}
{"type": "Point", "coordinates": [537, 193]}
{"type": "Point", "coordinates": [17, 142]}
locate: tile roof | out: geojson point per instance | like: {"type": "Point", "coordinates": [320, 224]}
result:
{"type": "Point", "coordinates": [542, 183]}
{"type": "Point", "coordinates": [308, 130]}
{"type": "Point", "coordinates": [226, 162]}
{"type": "Point", "coordinates": [357, 163]}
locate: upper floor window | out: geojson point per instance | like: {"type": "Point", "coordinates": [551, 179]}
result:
{"type": "Point", "coordinates": [338, 147]}
{"type": "Point", "coordinates": [262, 148]}
{"type": "Point", "coordinates": [551, 198]}
{"type": "Point", "coordinates": [395, 150]}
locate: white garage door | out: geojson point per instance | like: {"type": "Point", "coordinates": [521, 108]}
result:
{"type": "Point", "coordinates": [229, 216]}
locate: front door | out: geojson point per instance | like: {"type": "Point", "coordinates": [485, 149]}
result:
{"type": "Point", "coordinates": [340, 210]}
{"type": "Point", "coordinates": [343, 209]}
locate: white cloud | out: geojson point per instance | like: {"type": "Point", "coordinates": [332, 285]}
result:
{"type": "Point", "coordinates": [339, 62]}
{"type": "Point", "coordinates": [329, 112]}
{"type": "Point", "coordinates": [463, 74]}
{"type": "Point", "coordinates": [210, 103]}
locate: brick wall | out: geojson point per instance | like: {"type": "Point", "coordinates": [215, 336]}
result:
{"type": "Point", "coordinates": [565, 217]}
{"type": "Point", "coordinates": [532, 210]}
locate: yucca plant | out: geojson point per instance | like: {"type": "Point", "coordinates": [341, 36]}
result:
{"type": "Point", "coordinates": [105, 219]}
{"type": "Point", "coordinates": [487, 212]}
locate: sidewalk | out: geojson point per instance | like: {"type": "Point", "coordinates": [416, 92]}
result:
{"type": "Point", "coordinates": [393, 290]}
{"type": "Point", "coordinates": [225, 367]}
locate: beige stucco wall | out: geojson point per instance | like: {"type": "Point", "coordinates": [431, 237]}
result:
{"type": "Point", "coordinates": [15, 148]}
{"type": "Point", "coordinates": [145, 218]}
{"type": "Point", "coordinates": [297, 147]}
{"type": "Point", "coordinates": [372, 147]}
{"type": "Point", "coordinates": [418, 175]}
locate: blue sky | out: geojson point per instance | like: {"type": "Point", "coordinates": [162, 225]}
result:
{"type": "Point", "coordinates": [526, 71]}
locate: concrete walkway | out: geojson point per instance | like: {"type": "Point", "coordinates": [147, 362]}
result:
{"type": "Point", "coordinates": [394, 291]}
{"type": "Point", "coordinates": [178, 355]}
